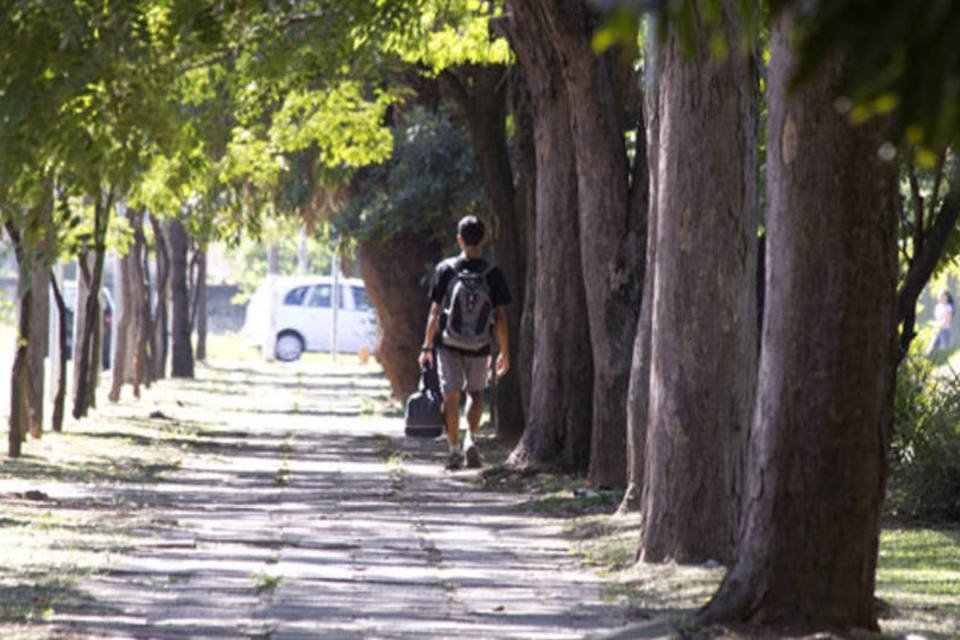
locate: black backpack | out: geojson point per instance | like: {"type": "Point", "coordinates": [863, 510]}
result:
{"type": "Point", "coordinates": [423, 416]}
{"type": "Point", "coordinates": [468, 308]}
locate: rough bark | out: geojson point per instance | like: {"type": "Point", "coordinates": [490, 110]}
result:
{"type": "Point", "coordinates": [159, 339]}
{"type": "Point", "coordinates": [39, 340]}
{"type": "Point", "coordinates": [481, 92]}
{"type": "Point", "coordinates": [558, 425]}
{"type": "Point", "coordinates": [525, 163]}
{"type": "Point", "coordinates": [393, 272]}
{"type": "Point", "coordinates": [182, 364]}
{"type": "Point", "coordinates": [60, 366]}
{"type": "Point", "coordinates": [808, 545]}
{"type": "Point", "coordinates": [611, 229]}
{"type": "Point", "coordinates": [704, 347]}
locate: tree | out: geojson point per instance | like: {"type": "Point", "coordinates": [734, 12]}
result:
{"type": "Point", "coordinates": [807, 551]}
{"type": "Point", "coordinates": [182, 363]}
{"type": "Point", "coordinates": [703, 357]}
{"type": "Point", "coordinates": [558, 425]}
{"type": "Point", "coordinates": [612, 199]}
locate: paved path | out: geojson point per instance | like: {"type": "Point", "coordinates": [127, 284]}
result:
{"type": "Point", "coordinates": [297, 518]}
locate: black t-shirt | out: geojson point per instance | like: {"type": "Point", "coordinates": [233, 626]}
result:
{"type": "Point", "coordinates": [446, 270]}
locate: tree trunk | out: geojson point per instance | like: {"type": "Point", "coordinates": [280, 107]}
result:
{"type": "Point", "coordinates": [140, 295]}
{"type": "Point", "coordinates": [124, 327]}
{"type": "Point", "coordinates": [199, 311]}
{"type": "Point", "coordinates": [160, 337]}
{"type": "Point", "coordinates": [525, 162]}
{"type": "Point", "coordinates": [808, 546]}
{"type": "Point", "coordinates": [87, 347]}
{"type": "Point", "coordinates": [481, 91]}
{"type": "Point", "coordinates": [60, 368]}
{"type": "Point", "coordinates": [558, 425]}
{"type": "Point", "coordinates": [20, 379]}
{"type": "Point", "coordinates": [704, 346]}
{"type": "Point", "coordinates": [39, 340]}
{"type": "Point", "coordinates": [611, 229]}
{"type": "Point", "coordinates": [393, 272]}
{"type": "Point", "coordinates": [182, 362]}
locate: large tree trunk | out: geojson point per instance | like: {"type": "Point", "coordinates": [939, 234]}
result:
{"type": "Point", "coordinates": [558, 425]}
{"type": "Point", "coordinates": [525, 163]}
{"type": "Point", "coordinates": [611, 228]}
{"type": "Point", "coordinates": [808, 546]}
{"type": "Point", "coordinates": [39, 340]}
{"type": "Point", "coordinates": [159, 339]}
{"type": "Point", "coordinates": [481, 91]}
{"type": "Point", "coordinates": [182, 362]}
{"type": "Point", "coordinates": [638, 393]}
{"type": "Point", "coordinates": [393, 272]}
{"type": "Point", "coordinates": [704, 346]}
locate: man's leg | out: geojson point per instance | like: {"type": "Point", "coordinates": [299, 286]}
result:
{"type": "Point", "coordinates": [450, 370]}
{"type": "Point", "coordinates": [476, 374]}
{"type": "Point", "coordinates": [451, 417]}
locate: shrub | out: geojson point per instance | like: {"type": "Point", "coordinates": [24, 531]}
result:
{"type": "Point", "coordinates": [925, 451]}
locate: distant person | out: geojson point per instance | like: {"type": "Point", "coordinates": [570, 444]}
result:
{"type": "Point", "coordinates": [467, 301]}
{"type": "Point", "coordinates": [943, 321]}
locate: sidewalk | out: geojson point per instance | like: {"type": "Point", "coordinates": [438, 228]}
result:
{"type": "Point", "coordinates": [297, 512]}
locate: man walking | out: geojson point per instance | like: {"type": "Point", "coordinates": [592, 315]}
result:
{"type": "Point", "coordinates": [467, 300]}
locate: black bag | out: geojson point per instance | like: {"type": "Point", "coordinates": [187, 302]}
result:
{"type": "Point", "coordinates": [423, 416]}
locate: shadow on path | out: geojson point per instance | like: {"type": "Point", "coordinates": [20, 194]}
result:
{"type": "Point", "coordinates": [292, 515]}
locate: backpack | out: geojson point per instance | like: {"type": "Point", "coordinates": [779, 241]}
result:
{"type": "Point", "coordinates": [468, 309]}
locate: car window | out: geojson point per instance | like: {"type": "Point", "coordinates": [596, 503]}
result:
{"type": "Point", "coordinates": [320, 296]}
{"type": "Point", "coordinates": [295, 296]}
{"type": "Point", "coordinates": [360, 302]}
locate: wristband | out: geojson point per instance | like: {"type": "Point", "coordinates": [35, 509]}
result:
{"type": "Point", "coordinates": [426, 349]}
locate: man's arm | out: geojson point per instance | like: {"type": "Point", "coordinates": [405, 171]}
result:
{"type": "Point", "coordinates": [433, 325]}
{"type": "Point", "coordinates": [503, 340]}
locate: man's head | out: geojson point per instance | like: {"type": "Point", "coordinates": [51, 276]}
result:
{"type": "Point", "coordinates": [470, 230]}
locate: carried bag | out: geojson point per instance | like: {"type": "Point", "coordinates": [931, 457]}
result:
{"type": "Point", "coordinates": [423, 416]}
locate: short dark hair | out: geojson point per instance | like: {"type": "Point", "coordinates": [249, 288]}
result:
{"type": "Point", "coordinates": [471, 230]}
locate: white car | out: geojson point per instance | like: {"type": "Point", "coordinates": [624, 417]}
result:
{"type": "Point", "coordinates": [295, 314]}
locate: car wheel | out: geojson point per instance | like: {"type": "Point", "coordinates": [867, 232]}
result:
{"type": "Point", "coordinates": [289, 347]}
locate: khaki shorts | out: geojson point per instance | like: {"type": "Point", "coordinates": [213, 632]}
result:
{"type": "Point", "coordinates": [459, 372]}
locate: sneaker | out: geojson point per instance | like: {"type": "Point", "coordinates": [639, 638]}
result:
{"type": "Point", "coordinates": [473, 457]}
{"type": "Point", "coordinates": [454, 461]}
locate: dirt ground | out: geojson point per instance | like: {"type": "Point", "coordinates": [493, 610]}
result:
{"type": "Point", "coordinates": [277, 501]}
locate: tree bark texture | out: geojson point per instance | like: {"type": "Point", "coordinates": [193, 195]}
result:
{"type": "Point", "coordinates": [808, 546]}
{"type": "Point", "coordinates": [160, 343]}
{"type": "Point", "coordinates": [703, 356]}
{"type": "Point", "coordinates": [394, 272]}
{"type": "Point", "coordinates": [525, 168]}
{"type": "Point", "coordinates": [611, 230]}
{"type": "Point", "coordinates": [482, 93]}
{"type": "Point", "coordinates": [638, 392]}
{"type": "Point", "coordinates": [140, 293]}
{"type": "Point", "coordinates": [39, 340]}
{"type": "Point", "coordinates": [182, 365]}
{"type": "Point", "coordinates": [558, 422]}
